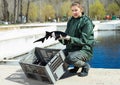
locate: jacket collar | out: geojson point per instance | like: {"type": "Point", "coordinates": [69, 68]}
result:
{"type": "Point", "coordinates": [77, 17]}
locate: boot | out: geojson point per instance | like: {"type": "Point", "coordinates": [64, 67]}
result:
{"type": "Point", "coordinates": [74, 70]}
{"type": "Point", "coordinates": [84, 71]}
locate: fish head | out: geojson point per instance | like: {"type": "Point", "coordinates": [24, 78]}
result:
{"type": "Point", "coordinates": [48, 34]}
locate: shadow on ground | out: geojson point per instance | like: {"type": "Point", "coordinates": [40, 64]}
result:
{"type": "Point", "coordinates": [19, 77]}
{"type": "Point", "coordinates": [67, 75]}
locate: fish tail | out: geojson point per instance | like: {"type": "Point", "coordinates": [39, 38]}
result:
{"type": "Point", "coordinates": [41, 39]}
{"type": "Point", "coordinates": [35, 41]}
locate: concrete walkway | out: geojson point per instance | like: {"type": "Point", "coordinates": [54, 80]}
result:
{"type": "Point", "coordinates": [13, 75]}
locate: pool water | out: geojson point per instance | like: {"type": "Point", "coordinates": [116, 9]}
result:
{"type": "Point", "coordinates": [106, 50]}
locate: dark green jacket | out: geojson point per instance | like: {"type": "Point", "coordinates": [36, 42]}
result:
{"type": "Point", "coordinates": [82, 35]}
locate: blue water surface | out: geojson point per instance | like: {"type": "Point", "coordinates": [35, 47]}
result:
{"type": "Point", "coordinates": [106, 50]}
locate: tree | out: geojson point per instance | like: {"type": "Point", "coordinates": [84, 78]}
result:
{"type": "Point", "coordinates": [65, 9]}
{"type": "Point", "coordinates": [117, 2]}
{"type": "Point", "coordinates": [5, 11]}
{"type": "Point", "coordinates": [48, 12]}
{"type": "Point", "coordinates": [113, 9]}
{"type": "Point", "coordinates": [57, 6]}
{"type": "Point", "coordinates": [24, 8]}
{"type": "Point", "coordinates": [15, 11]}
{"type": "Point", "coordinates": [97, 10]}
{"type": "Point", "coordinates": [20, 10]}
{"type": "Point", "coordinates": [33, 12]}
{"type": "Point", "coordinates": [28, 5]}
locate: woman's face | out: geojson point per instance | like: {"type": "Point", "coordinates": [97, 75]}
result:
{"type": "Point", "coordinates": [76, 11]}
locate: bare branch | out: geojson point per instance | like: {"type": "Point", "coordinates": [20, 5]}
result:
{"type": "Point", "coordinates": [117, 2]}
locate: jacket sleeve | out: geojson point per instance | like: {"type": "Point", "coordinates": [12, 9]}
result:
{"type": "Point", "coordinates": [62, 42]}
{"type": "Point", "coordinates": [65, 42]}
{"type": "Point", "coordinates": [87, 30]}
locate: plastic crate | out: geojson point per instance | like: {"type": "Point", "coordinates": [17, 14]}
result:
{"type": "Point", "coordinates": [46, 65]}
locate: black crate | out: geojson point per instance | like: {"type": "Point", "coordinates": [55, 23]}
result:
{"type": "Point", "coordinates": [46, 65]}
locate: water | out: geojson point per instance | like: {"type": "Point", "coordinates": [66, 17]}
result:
{"type": "Point", "coordinates": [106, 50]}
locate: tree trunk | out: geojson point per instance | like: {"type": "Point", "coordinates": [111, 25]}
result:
{"type": "Point", "coordinates": [27, 10]}
{"type": "Point", "coordinates": [15, 11]}
{"type": "Point", "coordinates": [18, 10]}
{"type": "Point", "coordinates": [5, 11]}
{"type": "Point", "coordinates": [21, 10]}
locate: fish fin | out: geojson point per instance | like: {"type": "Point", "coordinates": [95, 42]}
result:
{"type": "Point", "coordinates": [43, 39]}
{"type": "Point", "coordinates": [48, 34]}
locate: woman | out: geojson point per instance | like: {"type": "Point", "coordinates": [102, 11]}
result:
{"type": "Point", "coordinates": [79, 48]}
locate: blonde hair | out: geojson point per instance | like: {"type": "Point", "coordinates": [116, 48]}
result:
{"type": "Point", "coordinates": [78, 5]}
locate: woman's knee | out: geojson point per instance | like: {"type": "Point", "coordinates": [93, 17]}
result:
{"type": "Point", "coordinates": [79, 63]}
{"type": "Point", "coordinates": [74, 57]}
